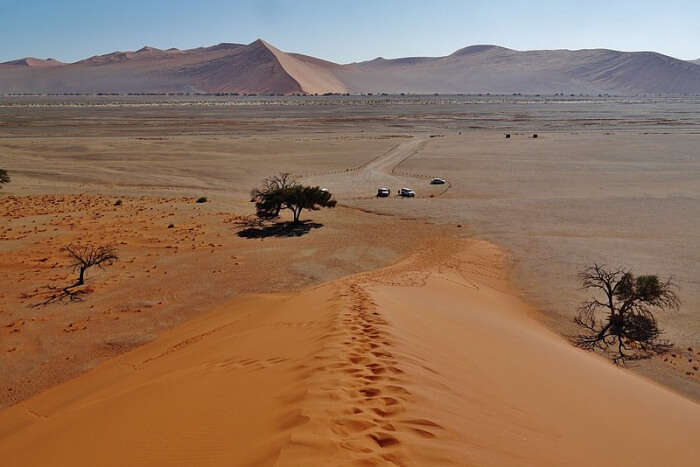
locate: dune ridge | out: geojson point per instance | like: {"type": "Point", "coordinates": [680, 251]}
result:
{"type": "Point", "coordinates": [432, 361]}
{"type": "Point", "coordinates": [224, 68]}
{"type": "Point", "coordinates": [30, 62]}
{"type": "Point", "coordinates": [494, 69]}
{"type": "Point", "coordinates": [259, 67]}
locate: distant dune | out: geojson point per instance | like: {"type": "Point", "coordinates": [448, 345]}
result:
{"type": "Point", "coordinates": [487, 68]}
{"type": "Point", "coordinates": [260, 68]}
{"type": "Point", "coordinates": [31, 62]}
{"type": "Point", "coordinates": [225, 68]}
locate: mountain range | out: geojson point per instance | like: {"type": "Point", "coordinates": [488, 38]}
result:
{"type": "Point", "coordinates": [260, 68]}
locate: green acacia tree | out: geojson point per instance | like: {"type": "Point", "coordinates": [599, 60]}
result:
{"type": "Point", "coordinates": [269, 202]}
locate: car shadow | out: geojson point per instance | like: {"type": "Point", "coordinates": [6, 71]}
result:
{"type": "Point", "coordinates": [280, 229]}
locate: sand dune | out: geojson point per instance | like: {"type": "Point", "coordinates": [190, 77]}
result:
{"type": "Point", "coordinates": [225, 68]}
{"type": "Point", "coordinates": [487, 68]}
{"type": "Point", "coordinates": [260, 68]}
{"type": "Point", "coordinates": [433, 361]}
{"type": "Point", "coordinates": [32, 62]}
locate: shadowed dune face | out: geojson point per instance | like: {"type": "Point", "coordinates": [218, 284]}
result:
{"type": "Point", "coordinates": [261, 68]}
{"type": "Point", "coordinates": [432, 361]}
{"type": "Point", "coordinates": [249, 69]}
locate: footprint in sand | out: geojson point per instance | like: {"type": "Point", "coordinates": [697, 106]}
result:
{"type": "Point", "coordinates": [384, 440]}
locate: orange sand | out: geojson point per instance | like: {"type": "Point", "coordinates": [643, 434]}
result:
{"type": "Point", "coordinates": [434, 361]}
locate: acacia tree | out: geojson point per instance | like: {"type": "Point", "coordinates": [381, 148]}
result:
{"type": "Point", "coordinates": [622, 320]}
{"type": "Point", "coordinates": [296, 199]}
{"type": "Point", "coordinates": [283, 192]}
{"type": "Point", "coordinates": [86, 256]}
{"type": "Point", "coordinates": [266, 193]}
{"type": "Point", "coordinates": [4, 177]}
{"type": "Point", "coordinates": [313, 198]}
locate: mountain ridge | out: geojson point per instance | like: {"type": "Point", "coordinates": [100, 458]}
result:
{"type": "Point", "coordinates": [261, 68]}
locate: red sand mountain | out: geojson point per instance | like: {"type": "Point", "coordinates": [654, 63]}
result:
{"type": "Point", "coordinates": [254, 68]}
{"type": "Point", "coordinates": [261, 68]}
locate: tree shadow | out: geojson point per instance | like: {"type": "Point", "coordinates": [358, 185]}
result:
{"type": "Point", "coordinates": [280, 229]}
{"type": "Point", "coordinates": [63, 296]}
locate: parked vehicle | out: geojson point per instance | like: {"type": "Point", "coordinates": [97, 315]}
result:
{"type": "Point", "coordinates": [383, 192]}
{"type": "Point", "coordinates": [438, 181]}
{"type": "Point", "coordinates": [407, 193]}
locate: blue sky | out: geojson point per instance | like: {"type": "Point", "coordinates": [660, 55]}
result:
{"type": "Point", "coordinates": [346, 31]}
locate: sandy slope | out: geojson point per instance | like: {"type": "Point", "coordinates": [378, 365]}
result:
{"type": "Point", "coordinates": [432, 361]}
{"type": "Point", "coordinates": [314, 76]}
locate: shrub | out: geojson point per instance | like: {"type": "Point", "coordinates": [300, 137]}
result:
{"type": "Point", "coordinates": [4, 177]}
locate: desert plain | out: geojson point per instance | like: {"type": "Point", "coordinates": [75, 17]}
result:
{"type": "Point", "coordinates": [424, 331]}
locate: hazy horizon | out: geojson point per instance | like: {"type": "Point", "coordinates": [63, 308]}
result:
{"type": "Point", "coordinates": [350, 31]}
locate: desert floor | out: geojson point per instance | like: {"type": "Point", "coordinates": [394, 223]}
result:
{"type": "Point", "coordinates": [607, 180]}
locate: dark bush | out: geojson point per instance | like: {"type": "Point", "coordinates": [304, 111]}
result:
{"type": "Point", "coordinates": [4, 177]}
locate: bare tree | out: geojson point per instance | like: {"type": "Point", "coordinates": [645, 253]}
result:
{"type": "Point", "coordinates": [623, 322]}
{"type": "Point", "coordinates": [86, 256]}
